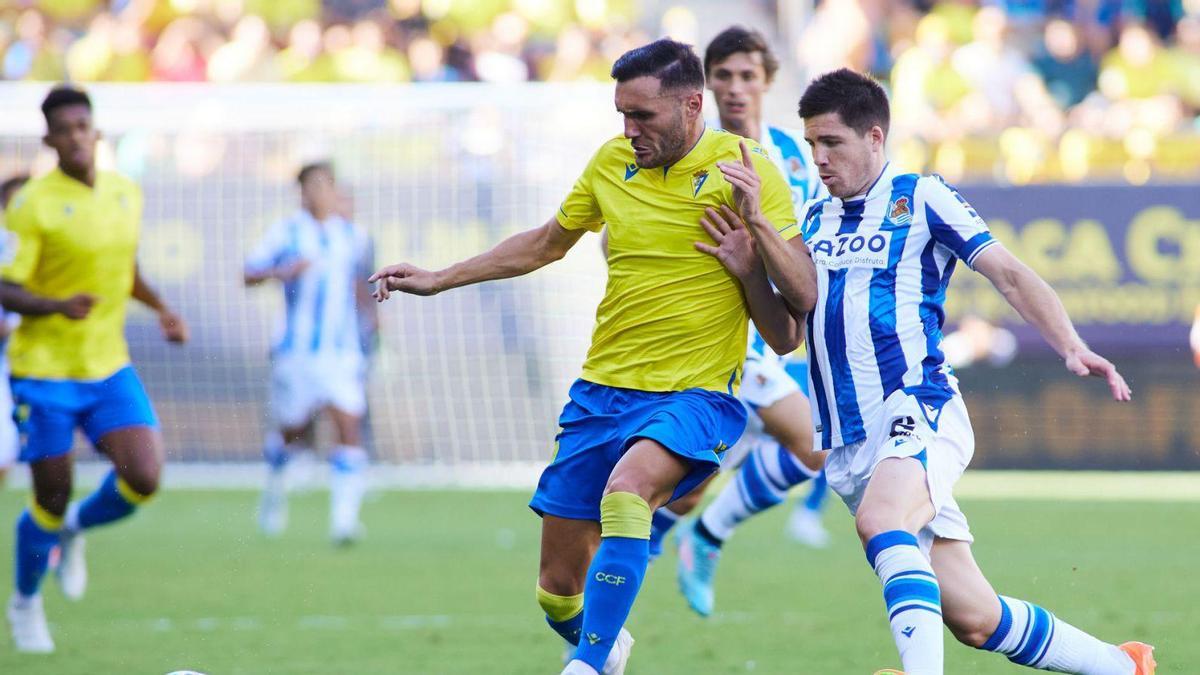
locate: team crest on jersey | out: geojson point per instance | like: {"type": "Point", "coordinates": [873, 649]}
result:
{"type": "Point", "coordinates": [698, 180]}
{"type": "Point", "coordinates": [899, 211]}
{"type": "Point", "coordinates": [631, 170]}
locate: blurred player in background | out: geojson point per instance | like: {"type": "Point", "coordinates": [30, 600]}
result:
{"type": "Point", "coordinates": [888, 409]}
{"type": "Point", "coordinates": [776, 452]}
{"type": "Point", "coordinates": [9, 443]}
{"type": "Point", "coordinates": [1194, 338]}
{"type": "Point", "coordinates": [318, 362]}
{"type": "Point", "coordinates": [654, 409]}
{"type": "Point", "coordinates": [70, 274]}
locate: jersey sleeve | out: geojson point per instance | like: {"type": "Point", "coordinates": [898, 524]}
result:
{"type": "Point", "coordinates": [775, 195]}
{"type": "Point", "coordinates": [23, 247]}
{"type": "Point", "coordinates": [580, 210]}
{"type": "Point", "coordinates": [270, 250]}
{"type": "Point", "coordinates": [952, 222]}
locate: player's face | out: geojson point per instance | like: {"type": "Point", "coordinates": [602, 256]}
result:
{"type": "Point", "coordinates": [319, 194]}
{"type": "Point", "coordinates": [738, 84]}
{"type": "Point", "coordinates": [71, 134]}
{"type": "Point", "coordinates": [847, 160]}
{"type": "Point", "coordinates": [656, 123]}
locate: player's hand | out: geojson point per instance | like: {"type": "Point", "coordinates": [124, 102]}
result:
{"type": "Point", "coordinates": [292, 270]}
{"type": "Point", "coordinates": [746, 184]}
{"type": "Point", "coordinates": [735, 247]}
{"type": "Point", "coordinates": [174, 328]}
{"type": "Point", "coordinates": [405, 278]}
{"type": "Point", "coordinates": [1084, 362]}
{"type": "Point", "coordinates": [77, 307]}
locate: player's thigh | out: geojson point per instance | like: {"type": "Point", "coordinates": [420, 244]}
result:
{"type": "Point", "coordinates": [688, 502]}
{"type": "Point", "coordinates": [896, 497]}
{"type": "Point", "coordinates": [137, 455]}
{"type": "Point", "coordinates": [649, 470]}
{"type": "Point", "coordinates": [789, 421]}
{"type": "Point", "coordinates": [567, 549]}
{"type": "Point", "coordinates": [970, 607]}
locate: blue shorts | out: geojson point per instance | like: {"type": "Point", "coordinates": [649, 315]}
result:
{"type": "Point", "coordinates": [600, 423]}
{"type": "Point", "coordinates": [47, 411]}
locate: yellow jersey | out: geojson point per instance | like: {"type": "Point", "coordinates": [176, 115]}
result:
{"type": "Point", "coordinates": [68, 238]}
{"type": "Point", "coordinates": [672, 318]}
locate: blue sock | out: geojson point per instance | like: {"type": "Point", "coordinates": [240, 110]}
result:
{"type": "Point", "coordinates": [112, 501]}
{"type": "Point", "coordinates": [37, 533]}
{"type": "Point", "coordinates": [276, 453]}
{"type": "Point", "coordinates": [913, 598]}
{"type": "Point", "coordinates": [564, 613]}
{"type": "Point", "coordinates": [816, 496]}
{"type": "Point", "coordinates": [1031, 636]}
{"type": "Point", "coordinates": [660, 524]}
{"type": "Point", "coordinates": [615, 575]}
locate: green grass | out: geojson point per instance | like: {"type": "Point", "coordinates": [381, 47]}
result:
{"type": "Point", "coordinates": [444, 584]}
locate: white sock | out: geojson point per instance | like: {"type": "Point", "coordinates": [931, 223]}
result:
{"type": "Point", "coordinates": [1031, 636]}
{"type": "Point", "coordinates": [347, 486]}
{"type": "Point", "coordinates": [914, 600]}
{"type": "Point", "coordinates": [762, 481]}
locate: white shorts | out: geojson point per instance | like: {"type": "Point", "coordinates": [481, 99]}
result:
{"type": "Point", "coordinates": [764, 383]}
{"type": "Point", "coordinates": [302, 385]}
{"type": "Point", "coordinates": [904, 430]}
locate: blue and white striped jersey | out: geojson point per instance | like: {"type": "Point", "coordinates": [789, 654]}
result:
{"type": "Point", "coordinates": [789, 151]}
{"type": "Point", "coordinates": [883, 265]}
{"type": "Point", "coordinates": [321, 308]}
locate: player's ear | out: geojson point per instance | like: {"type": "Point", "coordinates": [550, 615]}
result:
{"type": "Point", "coordinates": [694, 103]}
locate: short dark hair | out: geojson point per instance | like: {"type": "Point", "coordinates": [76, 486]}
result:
{"type": "Point", "coordinates": [10, 186]}
{"type": "Point", "coordinates": [736, 39]}
{"type": "Point", "coordinates": [63, 95]}
{"type": "Point", "coordinates": [313, 167]}
{"type": "Point", "coordinates": [672, 63]}
{"type": "Point", "coordinates": [856, 98]}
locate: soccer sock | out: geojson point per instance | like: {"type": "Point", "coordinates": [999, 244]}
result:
{"type": "Point", "coordinates": [1031, 636]}
{"type": "Point", "coordinates": [564, 613]}
{"type": "Point", "coordinates": [660, 524]}
{"type": "Point", "coordinates": [615, 574]}
{"type": "Point", "coordinates": [914, 600]}
{"type": "Point", "coordinates": [347, 486]}
{"type": "Point", "coordinates": [276, 453]}
{"type": "Point", "coordinates": [37, 533]}
{"type": "Point", "coordinates": [763, 481]}
{"type": "Point", "coordinates": [112, 501]}
{"type": "Point", "coordinates": [816, 497]}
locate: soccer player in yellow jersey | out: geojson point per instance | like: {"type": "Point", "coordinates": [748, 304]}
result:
{"type": "Point", "coordinates": [654, 408]}
{"type": "Point", "coordinates": [70, 273]}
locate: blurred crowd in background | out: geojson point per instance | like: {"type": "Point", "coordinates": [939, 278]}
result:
{"type": "Point", "coordinates": [1015, 90]}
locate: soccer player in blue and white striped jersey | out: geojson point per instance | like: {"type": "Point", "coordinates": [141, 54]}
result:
{"type": "Point", "coordinates": [318, 359]}
{"type": "Point", "coordinates": [886, 406]}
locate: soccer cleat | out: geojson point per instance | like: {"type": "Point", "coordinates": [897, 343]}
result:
{"type": "Point", "coordinates": [71, 571]}
{"type": "Point", "coordinates": [697, 566]}
{"type": "Point", "coordinates": [1142, 656]}
{"type": "Point", "coordinates": [889, 671]}
{"type": "Point", "coordinates": [618, 656]}
{"type": "Point", "coordinates": [805, 526]}
{"type": "Point", "coordinates": [348, 536]}
{"type": "Point", "coordinates": [27, 623]}
{"type": "Point", "coordinates": [273, 508]}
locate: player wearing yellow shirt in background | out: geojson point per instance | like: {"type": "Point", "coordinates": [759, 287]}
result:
{"type": "Point", "coordinates": [654, 408]}
{"type": "Point", "coordinates": [70, 270]}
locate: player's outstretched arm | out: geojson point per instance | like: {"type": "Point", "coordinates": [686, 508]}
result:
{"type": "Point", "coordinates": [519, 254]}
{"type": "Point", "coordinates": [174, 328]}
{"type": "Point", "coordinates": [781, 326]}
{"type": "Point", "coordinates": [1038, 304]}
{"type": "Point", "coordinates": [788, 262]}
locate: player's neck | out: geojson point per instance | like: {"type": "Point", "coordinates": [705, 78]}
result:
{"type": "Point", "coordinates": [750, 128]}
{"type": "Point", "coordinates": [87, 176]}
{"type": "Point", "coordinates": [320, 215]}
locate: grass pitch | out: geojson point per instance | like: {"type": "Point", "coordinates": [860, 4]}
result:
{"type": "Point", "coordinates": [444, 584]}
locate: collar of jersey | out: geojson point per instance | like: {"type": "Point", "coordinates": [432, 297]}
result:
{"type": "Point", "coordinates": [59, 176]}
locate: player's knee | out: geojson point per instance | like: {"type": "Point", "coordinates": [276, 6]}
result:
{"type": "Point", "coordinates": [628, 481]}
{"type": "Point", "coordinates": [971, 629]}
{"type": "Point", "coordinates": [870, 522]}
{"type": "Point", "coordinates": [143, 478]}
{"type": "Point", "coordinates": [54, 498]}
{"type": "Point", "coordinates": [559, 583]}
